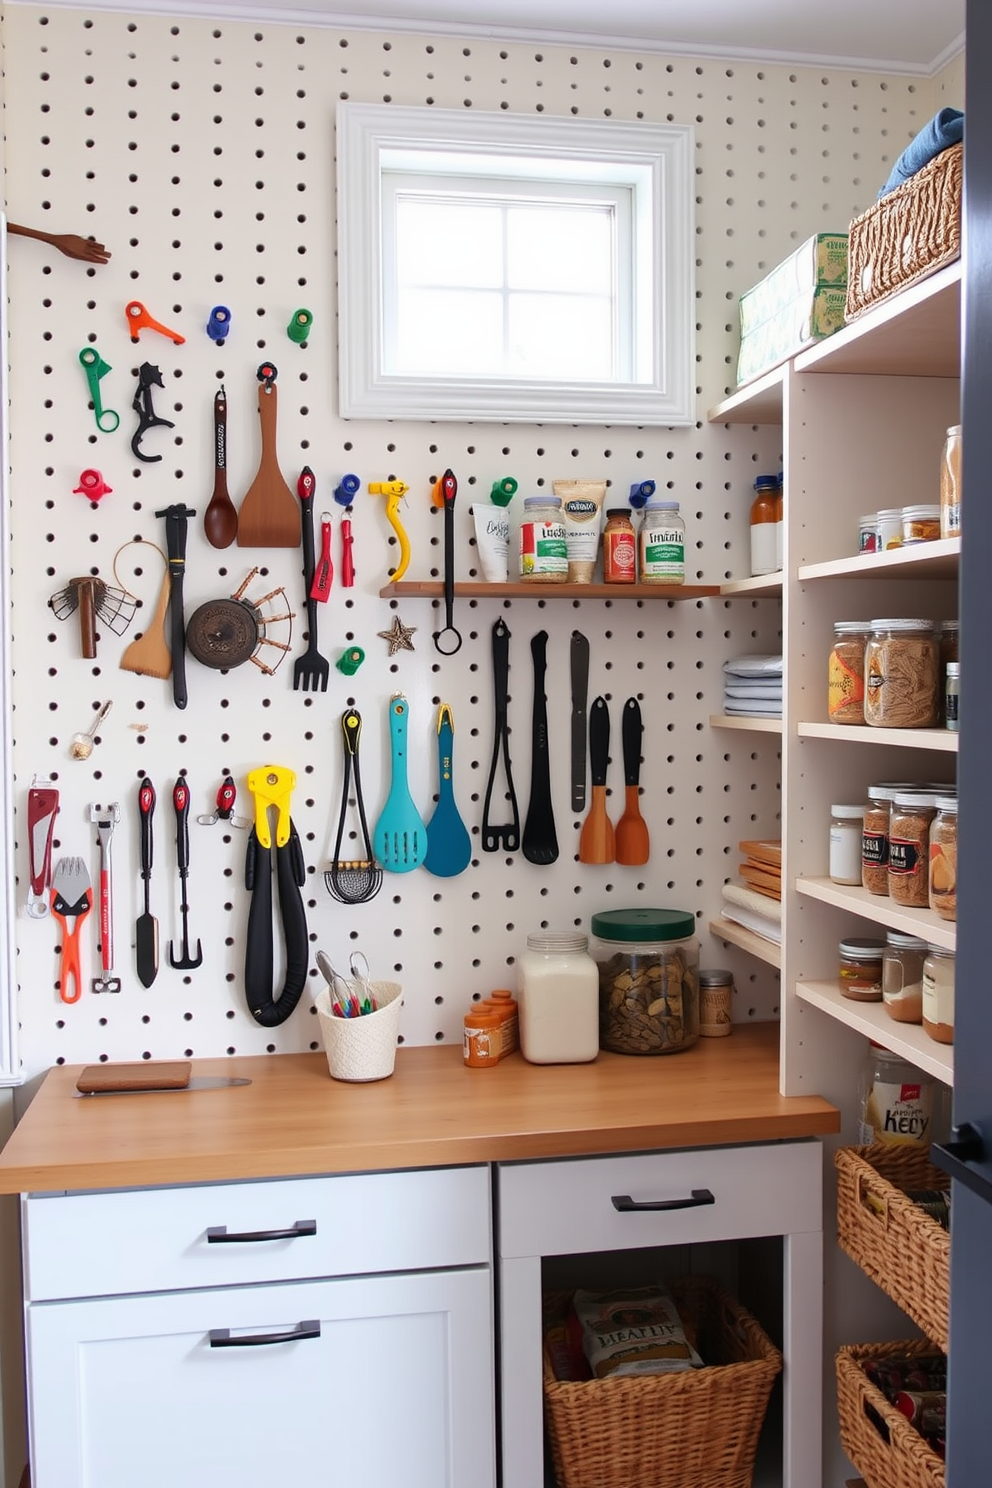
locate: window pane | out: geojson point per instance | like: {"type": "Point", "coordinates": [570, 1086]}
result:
{"type": "Point", "coordinates": [450, 333]}
{"type": "Point", "coordinates": [568, 338]}
{"type": "Point", "coordinates": [448, 242]}
{"type": "Point", "coordinates": [560, 248]}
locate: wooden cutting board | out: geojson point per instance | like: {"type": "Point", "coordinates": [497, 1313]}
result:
{"type": "Point", "coordinates": [270, 513]}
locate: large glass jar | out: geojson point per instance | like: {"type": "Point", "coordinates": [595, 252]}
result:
{"type": "Point", "coordinates": [944, 858]}
{"type": "Point", "coordinates": [896, 1101]}
{"type": "Point", "coordinates": [938, 995]}
{"type": "Point", "coordinates": [902, 977]}
{"type": "Point", "coordinates": [902, 674]}
{"type": "Point", "coordinates": [557, 997]}
{"type": "Point", "coordinates": [846, 672]}
{"type": "Point", "coordinates": [909, 848]}
{"type": "Point", "coordinates": [950, 484]}
{"type": "Point", "coordinates": [648, 980]}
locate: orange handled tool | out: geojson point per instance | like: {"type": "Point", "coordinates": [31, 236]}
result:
{"type": "Point", "coordinates": [72, 900]}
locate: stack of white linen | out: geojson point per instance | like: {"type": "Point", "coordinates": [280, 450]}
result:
{"type": "Point", "coordinates": [752, 910]}
{"type": "Point", "coordinates": [752, 686]}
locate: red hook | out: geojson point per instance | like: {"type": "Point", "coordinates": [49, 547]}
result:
{"type": "Point", "coordinates": [91, 484]}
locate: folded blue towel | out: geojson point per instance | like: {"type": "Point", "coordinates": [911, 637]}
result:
{"type": "Point", "coordinates": [945, 128]}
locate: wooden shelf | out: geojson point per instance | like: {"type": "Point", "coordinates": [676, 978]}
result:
{"type": "Point", "coordinates": [477, 589]}
{"type": "Point", "coordinates": [944, 740]}
{"type": "Point", "coordinates": [884, 911]}
{"type": "Point", "coordinates": [756, 945]}
{"type": "Point", "coordinates": [761, 587]}
{"type": "Point", "coordinates": [758, 725]}
{"type": "Point", "coordinates": [932, 560]}
{"type": "Point", "coordinates": [871, 1019]}
{"type": "Point", "coordinates": [760, 402]}
{"type": "Point", "coordinates": [917, 333]}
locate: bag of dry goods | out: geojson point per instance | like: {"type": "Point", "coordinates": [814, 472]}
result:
{"type": "Point", "coordinates": [634, 1331]}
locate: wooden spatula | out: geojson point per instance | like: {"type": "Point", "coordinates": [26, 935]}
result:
{"type": "Point", "coordinates": [270, 514]}
{"type": "Point", "coordinates": [149, 655]}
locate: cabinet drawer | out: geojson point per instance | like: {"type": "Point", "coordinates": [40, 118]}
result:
{"type": "Point", "coordinates": [564, 1207]}
{"type": "Point", "coordinates": [144, 1240]}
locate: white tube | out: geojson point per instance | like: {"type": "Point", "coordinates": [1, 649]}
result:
{"type": "Point", "coordinates": [581, 511]}
{"type": "Point", "coordinates": [492, 538]}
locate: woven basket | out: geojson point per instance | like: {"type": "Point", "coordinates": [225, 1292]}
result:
{"type": "Point", "coordinates": [696, 1429]}
{"type": "Point", "coordinates": [906, 235]}
{"type": "Point", "coordinates": [893, 1240]}
{"type": "Point", "coordinates": [884, 1447]}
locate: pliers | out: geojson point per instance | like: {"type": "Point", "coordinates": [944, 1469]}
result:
{"type": "Point", "coordinates": [272, 785]}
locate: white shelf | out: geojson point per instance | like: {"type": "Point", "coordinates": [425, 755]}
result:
{"type": "Point", "coordinates": [871, 1019]}
{"type": "Point", "coordinates": [878, 907]}
{"type": "Point", "coordinates": [747, 940]}
{"type": "Point", "coordinates": [762, 587]}
{"type": "Point", "coordinates": [760, 725]}
{"type": "Point", "coordinates": [930, 560]}
{"type": "Point", "coordinates": [760, 402]}
{"type": "Point", "coordinates": [917, 333]}
{"type": "Point", "coordinates": [944, 740]}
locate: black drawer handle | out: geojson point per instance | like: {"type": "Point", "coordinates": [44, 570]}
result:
{"type": "Point", "coordinates": [221, 1337]}
{"type": "Point", "coordinates": [626, 1205]}
{"type": "Point", "coordinates": [967, 1145]}
{"type": "Point", "coordinates": [218, 1234]}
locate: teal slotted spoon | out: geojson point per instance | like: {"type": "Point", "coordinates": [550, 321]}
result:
{"type": "Point", "coordinates": [400, 837]}
{"type": "Point", "coordinates": [449, 846]}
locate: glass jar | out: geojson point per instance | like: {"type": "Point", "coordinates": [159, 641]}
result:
{"type": "Point", "coordinates": [648, 962]}
{"type": "Point", "coordinates": [558, 999]}
{"type": "Point", "coordinates": [619, 547]}
{"type": "Point", "coordinates": [846, 830]}
{"type": "Point", "coordinates": [950, 484]}
{"type": "Point", "coordinates": [875, 837]}
{"type": "Point", "coordinates": [938, 995]}
{"type": "Point", "coordinates": [764, 515]}
{"type": "Point", "coordinates": [944, 859]}
{"type": "Point", "coordinates": [901, 674]}
{"type": "Point", "coordinates": [868, 538]}
{"type": "Point", "coordinates": [909, 848]}
{"type": "Point", "coordinates": [896, 1101]}
{"type": "Point", "coordinates": [902, 977]}
{"type": "Point", "coordinates": [661, 544]}
{"type": "Point", "coordinates": [780, 522]}
{"type": "Point", "coordinates": [846, 672]}
{"type": "Point", "coordinates": [889, 528]}
{"type": "Point", "coordinates": [716, 1003]}
{"type": "Point", "coordinates": [860, 973]}
{"type": "Point", "coordinates": [948, 636]}
{"type": "Point", "coordinates": [920, 524]}
{"type": "Point", "coordinates": [543, 554]}
{"type": "Point", "coordinates": [952, 695]}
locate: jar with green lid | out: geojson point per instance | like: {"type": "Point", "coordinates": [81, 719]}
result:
{"type": "Point", "coordinates": [648, 963]}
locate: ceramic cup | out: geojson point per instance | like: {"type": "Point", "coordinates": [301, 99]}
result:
{"type": "Point", "coordinates": [362, 1048]}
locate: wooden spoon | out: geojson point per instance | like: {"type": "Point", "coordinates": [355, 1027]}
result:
{"type": "Point", "coordinates": [633, 841]}
{"type": "Point", "coordinates": [149, 655]}
{"type": "Point", "coordinates": [597, 842]}
{"type": "Point", "coordinates": [270, 513]}
{"type": "Point", "coordinates": [220, 520]}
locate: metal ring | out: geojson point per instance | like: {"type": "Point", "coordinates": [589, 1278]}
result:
{"type": "Point", "coordinates": [447, 649]}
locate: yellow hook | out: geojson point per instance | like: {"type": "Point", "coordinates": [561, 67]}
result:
{"type": "Point", "coordinates": [272, 785]}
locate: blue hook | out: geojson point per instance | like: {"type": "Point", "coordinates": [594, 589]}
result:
{"type": "Point", "coordinates": [345, 493]}
{"type": "Point", "coordinates": [640, 493]}
{"type": "Point", "coordinates": [219, 324]}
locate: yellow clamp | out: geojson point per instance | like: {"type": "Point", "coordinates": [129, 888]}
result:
{"type": "Point", "coordinates": [272, 785]}
{"type": "Point", "coordinates": [394, 491]}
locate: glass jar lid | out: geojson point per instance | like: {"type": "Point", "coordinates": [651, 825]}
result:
{"type": "Point", "coordinates": [716, 978]}
{"type": "Point", "coordinates": [851, 627]}
{"type": "Point", "coordinates": [532, 501]}
{"type": "Point", "coordinates": [901, 624]}
{"type": "Point", "coordinates": [652, 506]}
{"type": "Point", "coordinates": [954, 669]}
{"type": "Point", "coordinates": [927, 510]}
{"type": "Point", "coordinates": [947, 804]}
{"type": "Point", "coordinates": [559, 942]}
{"type": "Point", "coordinates": [618, 511]}
{"type": "Point", "coordinates": [935, 950]}
{"type": "Point", "coordinates": [904, 942]}
{"type": "Point", "coordinates": [916, 800]}
{"type": "Point", "coordinates": [643, 924]}
{"type": "Point", "coordinates": [848, 813]}
{"type": "Point", "coordinates": [862, 948]}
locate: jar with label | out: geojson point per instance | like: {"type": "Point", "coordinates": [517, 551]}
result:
{"type": "Point", "coordinates": [780, 522]}
{"type": "Point", "coordinates": [846, 831]}
{"type": "Point", "coordinates": [846, 672]}
{"type": "Point", "coordinates": [868, 538]}
{"type": "Point", "coordinates": [950, 484]}
{"type": "Point", "coordinates": [648, 962]}
{"type": "Point", "coordinates": [764, 556]}
{"type": "Point", "coordinates": [619, 547]}
{"type": "Point", "coordinates": [944, 859]}
{"type": "Point", "coordinates": [716, 1003]}
{"type": "Point", "coordinates": [661, 544]}
{"type": "Point", "coordinates": [938, 995]}
{"type": "Point", "coordinates": [875, 837]}
{"type": "Point", "coordinates": [504, 1005]}
{"type": "Point", "coordinates": [558, 999]}
{"type": "Point", "coordinates": [889, 528]}
{"type": "Point", "coordinates": [902, 977]}
{"type": "Point", "coordinates": [860, 973]}
{"type": "Point", "coordinates": [952, 695]}
{"type": "Point", "coordinates": [948, 636]}
{"type": "Point", "coordinates": [909, 848]}
{"type": "Point", "coordinates": [481, 1038]}
{"type": "Point", "coordinates": [896, 1101]}
{"type": "Point", "coordinates": [901, 674]}
{"type": "Point", "coordinates": [920, 524]}
{"type": "Point", "coordinates": [543, 554]}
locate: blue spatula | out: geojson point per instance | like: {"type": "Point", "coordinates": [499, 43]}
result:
{"type": "Point", "coordinates": [400, 837]}
{"type": "Point", "coordinates": [449, 847]}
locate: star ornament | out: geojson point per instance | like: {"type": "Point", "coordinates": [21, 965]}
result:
{"type": "Point", "coordinates": [399, 636]}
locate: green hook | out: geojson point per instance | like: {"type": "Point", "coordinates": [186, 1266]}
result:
{"type": "Point", "coordinates": [299, 327]}
{"type": "Point", "coordinates": [95, 367]}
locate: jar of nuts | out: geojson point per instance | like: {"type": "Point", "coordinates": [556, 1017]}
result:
{"type": "Point", "coordinates": [648, 980]}
{"type": "Point", "coordinates": [909, 848]}
{"type": "Point", "coordinates": [901, 674]}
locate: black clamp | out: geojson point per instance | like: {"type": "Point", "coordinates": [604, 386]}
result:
{"type": "Point", "coordinates": [148, 377]}
{"type": "Point", "coordinates": [271, 786]}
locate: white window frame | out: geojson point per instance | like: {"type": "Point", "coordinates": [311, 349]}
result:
{"type": "Point", "coordinates": [655, 160]}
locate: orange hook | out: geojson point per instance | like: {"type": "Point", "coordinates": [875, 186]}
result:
{"type": "Point", "coordinates": [138, 319]}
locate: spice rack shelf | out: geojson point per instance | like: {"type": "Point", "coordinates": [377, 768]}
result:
{"type": "Point", "coordinates": [756, 945]}
{"type": "Point", "coordinates": [757, 725]}
{"type": "Point", "coordinates": [943, 740]}
{"type": "Point", "coordinates": [478, 589]}
{"type": "Point", "coordinates": [929, 560]}
{"type": "Point", "coordinates": [761, 587]}
{"type": "Point", "coordinates": [871, 1019]}
{"type": "Point", "coordinates": [882, 910]}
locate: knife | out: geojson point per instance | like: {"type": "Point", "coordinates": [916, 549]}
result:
{"type": "Point", "coordinates": [579, 658]}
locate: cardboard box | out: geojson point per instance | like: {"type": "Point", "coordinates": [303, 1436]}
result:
{"type": "Point", "coordinates": [819, 263]}
{"type": "Point", "coordinates": [795, 326]}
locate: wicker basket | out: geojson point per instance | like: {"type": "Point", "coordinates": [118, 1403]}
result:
{"type": "Point", "coordinates": [884, 1447]}
{"type": "Point", "coordinates": [906, 235]}
{"type": "Point", "coordinates": [696, 1429]}
{"type": "Point", "coordinates": [893, 1240]}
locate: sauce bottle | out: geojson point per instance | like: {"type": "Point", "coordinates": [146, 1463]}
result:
{"type": "Point", "coordinates": [764, 526]}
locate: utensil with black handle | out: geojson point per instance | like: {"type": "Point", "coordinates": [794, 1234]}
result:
{"type": "Point", "coordinates": [597, 843]}
{"type": "Point", "coordinates": [146, 925]}
{"type": "Point", "coordinates": [311, 670]}
{"type": "Point", "coordinates": [176, 520]}
{"type": "Point", "coordinates": [540, 840]}
{"type": "Point", "coordinates": [180, 801]}
{"type": "Point", "coordinates": [633, 842]}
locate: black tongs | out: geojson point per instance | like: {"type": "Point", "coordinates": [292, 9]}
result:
{"type": "Point", "coordinates": [506, 837]}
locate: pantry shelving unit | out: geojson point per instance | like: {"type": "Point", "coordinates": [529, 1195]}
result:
{"type": "Point", "coordinates": [478, 589]}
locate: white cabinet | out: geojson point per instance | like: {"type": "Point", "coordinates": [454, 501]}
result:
{"type": "Point", "coordinates": [364, 1379]}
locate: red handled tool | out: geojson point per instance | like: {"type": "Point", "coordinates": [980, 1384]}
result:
{"type": "Point", "coordinates": [323, 573]}
{"type": "Point", "coordinates": [43, 807]}
{"type": "Point", "coordinates": [146, 925]}
{"type": "Point", "coordinates": [347, 562]}
{"type": "Point", "coordinates": [105, 818]}
{"type": "Point", "coordinates": [227, 794]}
{"type": "Point", "coordinates": [72, 900]}
{"type": "Point", "coordinates": [180, 801]}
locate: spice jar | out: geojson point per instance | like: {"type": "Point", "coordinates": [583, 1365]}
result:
{"type": "Point", "coordinates": [952, 695]}
{"type": "Point", "coordinates": [889, 528]}
{"type": "Point", "coordinates": [543, 555]}
{"type": "Point", "coordinates": [944, 859]}
{"type": "Point", "coordinates": [875, 838]}
{"type": "Point", "coordinates": [938, 995]}
{"type": "Point", "coordinates": [504, 1005]}
{"type": "Point", "coordinates": [868, 538]}
{"type": "Point", "coordinates": [860, 973]}
{"type": "Point", "coordinates": [846, 830]}
{"type": "Point", "coordinates": [481, 1038]}
{"type": "Point", "coordinates": [901, 674]}
{"type": "Point", "coordinates": [558, 999]}
{"type": "Point", "coordinates": [619, 547]}
{"type": "Point", "coordinates": [948, 635]}
{"type": "Point", "coordinates": [920, 524]}
{"type": "Point", "coordinates": [716, 1002]}
{"type": "Point", "coordinates": [909, 848]}
{"type": "Point", "coordinates": [648, 963]}
{"type": "Point", "coordinates": [846, 672]}
{"type": "Point", "coordinates": [895, 1100]}
{"type": "Point", "coordinates": [764, 518]}
{"type": "Point", "coordinates": [661, 544]}
{"type": "Point", "coordinates": [950, 484]}
{"type": "Point", "coordinates": [902, 977]}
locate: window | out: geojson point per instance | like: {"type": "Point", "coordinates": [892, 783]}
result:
{"type": "Point", "coordinates": [503, 268]}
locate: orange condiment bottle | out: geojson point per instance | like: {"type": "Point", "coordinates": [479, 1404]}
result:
{"type": "Point", "coordinates": [481, 1038]}
{"type": "Point", "coordinates": [504, 1005]}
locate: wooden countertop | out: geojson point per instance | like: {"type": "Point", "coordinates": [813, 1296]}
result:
{"type": "Point", "coordinates": [293, 1119]}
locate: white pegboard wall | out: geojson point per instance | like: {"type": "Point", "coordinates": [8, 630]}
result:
{"type": "Point", "coordinates": [202, 155]}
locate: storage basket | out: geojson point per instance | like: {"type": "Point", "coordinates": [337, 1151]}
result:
{"type": "Point", "coordinates": [884, 1447]}
{"type": "Point", "coordinates": [694, 1429]}
{"type": "Point", "coordinates": [895, 1242]}
{"type": "Point", "coordinates": [906, 235]}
